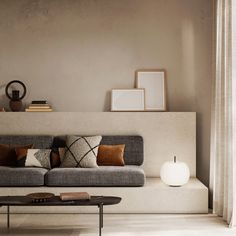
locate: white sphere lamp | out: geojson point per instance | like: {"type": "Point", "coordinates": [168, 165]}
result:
{"type": "Point", "coordinates": [175, 173]}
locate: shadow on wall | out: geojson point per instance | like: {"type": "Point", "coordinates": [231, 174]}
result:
{"type": "Point", "coordinates": [107, 101]}
{"type": "Point", "coordinates": [196, 85]}
{"type": "Point", "coordinates": [3, 98]}
{"type": "Point", "coordinates": [188, 51]}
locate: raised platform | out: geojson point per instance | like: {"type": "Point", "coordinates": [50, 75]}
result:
{"type": "Point", "coordinates": [154, 197]}
{"type": "Point", "coordinates": [165, 135]}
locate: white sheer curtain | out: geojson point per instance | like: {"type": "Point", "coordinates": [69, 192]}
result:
{"type": "Point", "coordinates": [223, 132]}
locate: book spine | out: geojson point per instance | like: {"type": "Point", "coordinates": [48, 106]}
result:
{"type": "Point", "coordinates": [30, 109]}
{"type": "Point", "coordinates": [74, 196]}
{"type": "Point", "coordinates": [71, 198]}
{"type": "Point", "coordinates": [39, 102]}
{"type": "Point", "coordinates": [39, 107]}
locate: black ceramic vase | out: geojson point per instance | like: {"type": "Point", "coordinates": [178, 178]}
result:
{"type": "Point", "coordinates": [15, 100]}
{"type": "Point", "coordinates": [15, 103]}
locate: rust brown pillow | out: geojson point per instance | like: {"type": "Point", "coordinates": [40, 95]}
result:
{"type": "Point", "coordinates": [7, 155]}
{"type": "Point", "coordinates": [55, 160]}
{"type": "Point", "coordinates": [111, 155]}
{"type": "Point", "coordinates": [21, 153]}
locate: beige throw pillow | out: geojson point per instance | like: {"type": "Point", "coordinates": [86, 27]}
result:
{"type": "Point", "coordinates": [81, 151]}
{"type": "Point", "coordinates": [38, 158]}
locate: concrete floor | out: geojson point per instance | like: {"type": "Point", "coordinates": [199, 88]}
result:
{"type": "Point", "coordinates": [115, 224]}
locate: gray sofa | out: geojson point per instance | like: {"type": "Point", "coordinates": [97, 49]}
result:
{"type": "Point", "coordinates": [130, 175]}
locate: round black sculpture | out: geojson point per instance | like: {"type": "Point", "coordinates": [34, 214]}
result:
{"type": "Point", "coordinates": [15, 100]}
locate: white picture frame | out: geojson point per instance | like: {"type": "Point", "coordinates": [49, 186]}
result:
{"type": "Point", "coordinates": [127, 100]}
{"type": "Point", "coordinates": [154, 83]}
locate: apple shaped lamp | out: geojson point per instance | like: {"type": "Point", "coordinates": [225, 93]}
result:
{"type": "Point", "coordinates": [175, 173]}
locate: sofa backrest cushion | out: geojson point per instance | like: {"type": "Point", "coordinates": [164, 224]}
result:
{"type": "Point", "coordinates": [39, 142]}
{"type": "Point", "coordinates": [134, 151]}
{"type": "Point", "coordinates": [133, 147]}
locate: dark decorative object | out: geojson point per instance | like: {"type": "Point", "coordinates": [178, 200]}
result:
{"type": "Point", "coordinates": [40, 197]}
{"type": "Point", "coordinates": [15, 100]}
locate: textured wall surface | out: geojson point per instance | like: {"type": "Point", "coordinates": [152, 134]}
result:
{"type": "Point", "coordinates": [160, 131]}
{"type": "Point", "coordinates": [72, 52]}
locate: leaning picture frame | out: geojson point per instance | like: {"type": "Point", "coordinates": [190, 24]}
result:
{"type": "Point", "coordinates": [127, 100]}
{"type": "Point", "coordinates": [154, 83]}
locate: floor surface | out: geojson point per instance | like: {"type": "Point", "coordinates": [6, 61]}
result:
{"type": "Point", "coordinates": [115, 224]}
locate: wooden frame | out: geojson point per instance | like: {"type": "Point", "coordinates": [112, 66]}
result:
{"type": "Point", "coordinates": [154, 83]}
{"type": "Point", "coordinates": [127, 100]}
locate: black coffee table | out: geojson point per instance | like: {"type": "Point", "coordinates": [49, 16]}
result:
{"type": "Point", "coordinates": [99, 201]}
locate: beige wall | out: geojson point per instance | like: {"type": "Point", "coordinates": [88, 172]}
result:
{"type": "Point", "coordinates": [72, 52]}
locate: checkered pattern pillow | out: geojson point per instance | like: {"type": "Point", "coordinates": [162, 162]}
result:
{"type": "Point", "coordinates": [38, 158]}
{"type": "Point", "coordinates": [81, 151]}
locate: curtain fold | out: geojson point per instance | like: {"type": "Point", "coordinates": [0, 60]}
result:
{"type": "Point", "coordinates": [222, 172]}
{"type": "Point", "coordinates": [233, 220]}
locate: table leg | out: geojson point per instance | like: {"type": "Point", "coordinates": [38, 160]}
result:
{"type": "Point", "coordinates": [100, 218]}
{"type": "Point", "coordinates": [8, 216]}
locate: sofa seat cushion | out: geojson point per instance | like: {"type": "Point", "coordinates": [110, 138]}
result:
{"type": "Point", "coordinates": [94, 177]}
{"type": "Point", "coordinates": [21, 176]}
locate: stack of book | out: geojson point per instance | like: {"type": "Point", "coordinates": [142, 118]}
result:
{"type": "Point", "coordinates": [73, 196]}
{"type": "Point", "coordinates": [39, 106]}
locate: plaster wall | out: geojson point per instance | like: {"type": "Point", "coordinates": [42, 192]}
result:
{"type": "Point", "coordinates": [72, 52]}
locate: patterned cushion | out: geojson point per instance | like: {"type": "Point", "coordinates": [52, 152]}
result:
{"type": "Point", "coordinates": [81, 151]}
{"type": "Point", "coordinates": [38, 158]}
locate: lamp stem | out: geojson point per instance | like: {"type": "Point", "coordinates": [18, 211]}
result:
{"type": "Point", "coordinates": [174, 158]}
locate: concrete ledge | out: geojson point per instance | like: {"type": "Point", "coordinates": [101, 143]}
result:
{"type": "Point", "coordinates": [154, 197]}
{"type": "Point", "coordinates": [160, 131]}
